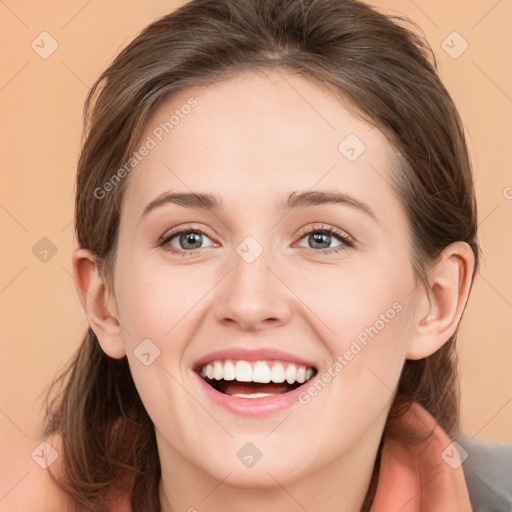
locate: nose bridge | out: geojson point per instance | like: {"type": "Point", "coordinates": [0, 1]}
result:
{"type": "Point", "coordinates": [252, 295]}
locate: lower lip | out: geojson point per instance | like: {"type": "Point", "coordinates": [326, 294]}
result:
{"type": "Point", "coordinates": [263, 406]}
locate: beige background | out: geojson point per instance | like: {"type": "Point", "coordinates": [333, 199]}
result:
{"type": "Point", "coordinates": [41, 107]}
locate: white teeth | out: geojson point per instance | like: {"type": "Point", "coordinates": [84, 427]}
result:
{"type": "Point", "coordinates": [243, 371]}
{"type": "Point", "coordinates": [217, 370]}
{"type": "Point", "coordinates": [291, 373]}
{"type": "Point", "coordinates": [229, 371]}
{"type": "Point", "coordinates": [278, 373]}
{"type": "Point", "coordinates": [260, 371]}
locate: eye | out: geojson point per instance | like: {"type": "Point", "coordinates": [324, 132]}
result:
{"type": "Point", "coordinates": [323, 236]}
{"type": "Point", "coordinates": [189, 240]}
{"type": "Point", "coordinates": [183, 241]}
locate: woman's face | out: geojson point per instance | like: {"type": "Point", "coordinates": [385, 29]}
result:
{"type": "Point", "coordinates": [259, 284]}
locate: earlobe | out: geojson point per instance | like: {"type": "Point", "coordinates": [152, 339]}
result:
{"type": "Point", "coordinates": [442, 301]}
{"type": "Point", "coordinates": [98, 303]}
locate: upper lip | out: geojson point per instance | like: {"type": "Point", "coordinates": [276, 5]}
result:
{"type": "Point", "coordinates": [256, 354]}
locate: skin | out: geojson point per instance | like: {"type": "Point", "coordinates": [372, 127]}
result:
{"type": "Point", "coordinates": [252, 140]}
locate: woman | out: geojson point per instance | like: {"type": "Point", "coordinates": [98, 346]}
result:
{"type": "Point", "coordinates": [300, 353]}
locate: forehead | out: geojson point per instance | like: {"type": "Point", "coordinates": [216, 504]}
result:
{"type": "Point", "coordinates": [258, 135]}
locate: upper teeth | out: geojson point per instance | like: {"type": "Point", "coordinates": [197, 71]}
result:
{"type": "Point", "coordinates": [243, 371]}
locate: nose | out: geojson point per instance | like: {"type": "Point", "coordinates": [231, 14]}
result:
{"type": "Point", "coordinates": [252, 296]}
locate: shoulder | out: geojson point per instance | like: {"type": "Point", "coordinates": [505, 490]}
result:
{"type": "Point", "coordinates": [488, 473]}
{"type": "Point", "coordinates": [36, 491]}
{"type": "Point", "coordinates": [44, 494]}
{"type": "Point", "coordinates": [39, 492]}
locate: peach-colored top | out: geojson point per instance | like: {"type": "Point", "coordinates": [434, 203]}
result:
{"type": "Point", "coordinates": [425, 477]}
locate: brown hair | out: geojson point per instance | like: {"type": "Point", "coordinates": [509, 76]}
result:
{"type": "Point", "coordinates": [388, 73]}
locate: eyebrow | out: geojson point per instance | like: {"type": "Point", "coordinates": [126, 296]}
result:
{"type": "Point", "coordinates": [297, 199]}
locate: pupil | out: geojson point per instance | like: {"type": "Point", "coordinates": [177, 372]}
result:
{"type": "Point", "coordinates": [191, 238]}
{"type": "Point", "coordinates": [321, 238]}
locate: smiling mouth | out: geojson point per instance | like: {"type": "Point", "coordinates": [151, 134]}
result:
{"type": "Point", "coordinates": [255, 379]}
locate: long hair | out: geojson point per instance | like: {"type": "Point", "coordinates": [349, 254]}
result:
{"type": "Point", "coordinates": [386, 71]}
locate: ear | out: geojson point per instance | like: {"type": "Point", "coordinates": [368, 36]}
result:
{"type": "Point", "coordinates": [442, 302]}
{"type": "Point", "coordinates": [98, 302]}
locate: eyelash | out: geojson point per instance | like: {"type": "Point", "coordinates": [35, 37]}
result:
{"type": "Point", "coordinates": [347, 242]}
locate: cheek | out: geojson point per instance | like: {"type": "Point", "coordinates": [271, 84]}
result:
{"type": "Point", "coordinates": [155, 302]}
{"type": "Point", "coordinates": [369, 316]}
{"type": "Point", "coordinates": [350, 301]}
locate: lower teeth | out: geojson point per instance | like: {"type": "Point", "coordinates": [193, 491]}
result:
{"type": "Point", "coordinates": [253, 395]}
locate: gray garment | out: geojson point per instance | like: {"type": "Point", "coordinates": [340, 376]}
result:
{"type": "Point", "coordinates": [488, 473]}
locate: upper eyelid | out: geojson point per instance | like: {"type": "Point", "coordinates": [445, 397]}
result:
{"type": "Point", "coordinates": [308, 229]}
{"type": "Point", "coordinates": [186, 229]}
